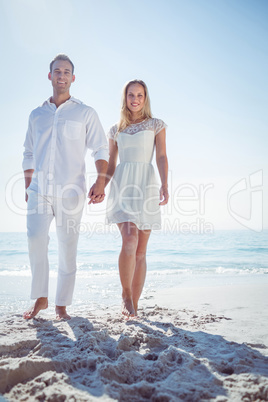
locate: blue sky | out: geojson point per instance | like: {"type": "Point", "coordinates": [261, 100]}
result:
{"type": "Point", "coordinates": [205, 63]}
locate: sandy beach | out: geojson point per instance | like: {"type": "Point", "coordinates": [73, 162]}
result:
{"type": "Point", "coordinates": [188, 344]}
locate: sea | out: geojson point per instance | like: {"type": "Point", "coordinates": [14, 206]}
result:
{"type": "Point", "coordinates": [173, 260]}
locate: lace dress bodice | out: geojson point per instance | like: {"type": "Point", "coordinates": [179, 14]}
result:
{"type": "Point", "coordinates": [153, 124]}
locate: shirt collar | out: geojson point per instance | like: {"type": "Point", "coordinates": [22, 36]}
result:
{"type": "Point", "coordinates": [72, 99]}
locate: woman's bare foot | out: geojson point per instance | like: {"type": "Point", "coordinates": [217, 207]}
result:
{"type": "Point", "coordinates": [62, 313]}
{"type": "Point", "coordinates": [40, 304]}
{"type": "Point", "coordinates": [135, 305]}
{"type": "Point", "coordinates": [127, 307]}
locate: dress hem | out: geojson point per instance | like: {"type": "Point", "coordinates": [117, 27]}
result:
{"type": "Point", "coordinates": [140, 226]}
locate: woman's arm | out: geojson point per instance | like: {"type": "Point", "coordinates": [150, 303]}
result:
{"type": "Point", "coordinates": [162, 164]}
{"type": "Point", "coordinates": [113, 154]}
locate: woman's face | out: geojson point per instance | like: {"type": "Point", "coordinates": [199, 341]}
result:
{"type": "Point", "coordinates": [135, 98]}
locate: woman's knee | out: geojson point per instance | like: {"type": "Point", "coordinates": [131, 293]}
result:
{"type": "Point", "coordinates": [130, 243]}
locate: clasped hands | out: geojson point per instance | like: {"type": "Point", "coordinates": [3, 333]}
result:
{"type": "Point", "coordinates": [96, 193]}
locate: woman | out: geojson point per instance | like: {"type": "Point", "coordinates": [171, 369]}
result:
{"type": "Point", "coordinates": [133, 202]}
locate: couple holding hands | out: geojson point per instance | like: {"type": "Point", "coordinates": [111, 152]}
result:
{"type": "Point", "coordinates": [58, 136]}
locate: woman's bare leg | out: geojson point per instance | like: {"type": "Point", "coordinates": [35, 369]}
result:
{"type": "Point", "coordinates": [127, 263]}
{"type": "Point", "coordinates": [140, 268]}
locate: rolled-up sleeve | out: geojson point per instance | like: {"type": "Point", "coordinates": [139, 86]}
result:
{"type": "Point", "coordinates": [28, 158]}
{"type": "Point", "coordinates": [96, 138]}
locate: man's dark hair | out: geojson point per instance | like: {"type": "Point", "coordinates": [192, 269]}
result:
{"type": "Point", "coordinates": [61, 56]}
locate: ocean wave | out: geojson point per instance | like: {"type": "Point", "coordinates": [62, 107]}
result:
{"type": "Point", "coordinates": [244, 271]}
{"type": "Point", "coordinates": [111, 272]}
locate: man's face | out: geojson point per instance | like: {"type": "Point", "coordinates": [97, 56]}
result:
{"type": "Point", "coordinates": [61, 76]}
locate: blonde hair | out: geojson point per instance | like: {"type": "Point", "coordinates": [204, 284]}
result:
{"type": "Point", "coordinates": [125, 114]}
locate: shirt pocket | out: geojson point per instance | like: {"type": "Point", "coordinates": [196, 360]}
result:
{"type": "Point", "coordinates": [72, 129]}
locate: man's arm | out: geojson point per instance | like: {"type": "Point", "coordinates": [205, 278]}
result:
{"type": "Point", "coordinates": [28, 160]}
{"type": "Point", "coordinates": [28, 174]}
{"type": "Point", "coordinates": [97, 141]}
{"type": "Point", "coordinates": [96, 193]}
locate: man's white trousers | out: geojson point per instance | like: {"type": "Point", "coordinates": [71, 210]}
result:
{"type": "Point", "coordinates": [67, 213]}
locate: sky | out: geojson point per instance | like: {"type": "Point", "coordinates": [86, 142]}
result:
{"type": "Point", "coordinates": [205, 63]}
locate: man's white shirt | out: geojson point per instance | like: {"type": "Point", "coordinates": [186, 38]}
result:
{"type": "Point", "coordinates": [56, 144]}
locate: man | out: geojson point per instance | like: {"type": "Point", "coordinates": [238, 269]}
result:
{"type": "Point", "coordinates": [59, 133]}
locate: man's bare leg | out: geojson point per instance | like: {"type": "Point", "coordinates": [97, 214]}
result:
{"type": "Point", "coordinates": [40, 304]}
{"type": "Point", "coordinates": [62, 313]}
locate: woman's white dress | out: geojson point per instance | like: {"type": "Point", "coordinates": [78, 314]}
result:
{"type": "Point", "coordinates": [134, 190]}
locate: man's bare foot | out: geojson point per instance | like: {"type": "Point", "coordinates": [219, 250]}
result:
{"type": "Point", "coordinates": [62, 313]}
{"type": "Point", "coordinates": [40, 304]}
{"type": "Point", "coordinates": [127, 307]}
